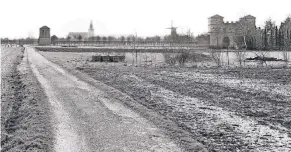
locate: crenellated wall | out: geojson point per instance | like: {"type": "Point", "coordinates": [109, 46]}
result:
{"type": "Point", "coordinates": [220, 30]}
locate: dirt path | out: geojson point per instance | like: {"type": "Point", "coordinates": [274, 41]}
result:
{"type": "Point", "coordinates": [88, 119]}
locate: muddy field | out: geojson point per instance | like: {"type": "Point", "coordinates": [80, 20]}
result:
{"type": "Point", "coordinates": [227, 109]}
{"type": "Point", "coordinates": [25, 121]}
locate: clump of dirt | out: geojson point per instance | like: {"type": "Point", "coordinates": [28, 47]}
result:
{"type": "Point", "coordinates": [25, 119]}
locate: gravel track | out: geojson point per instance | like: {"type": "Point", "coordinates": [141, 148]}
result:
{"type": "Point", "coordinates": [90, 118]}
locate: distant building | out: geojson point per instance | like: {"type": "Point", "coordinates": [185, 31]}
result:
{"type": "Point", "coordinates": [224, 33]}
{"type": "Point", "coordinates": [44, 36]}
{"type": "Point", "coordinates": [91, 30]}
{"type": "Point", "coordinates": [82, 35]}
{"type": "Point", "coordinates": [174, 35]}
{"type": "Point", "coordinates": [203, 39]}
{"type": "Point", "coordinates": [76, 35]}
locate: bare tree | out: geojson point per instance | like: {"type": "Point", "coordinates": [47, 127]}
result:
{"type": "Point", "coordinates": [216, 57]}
{"type": "Point", "coordinates": [98, 38]}
{"type": "Point", "coordinates": [262, 57]}
{"type": "Point", "coordinates": [258, 36]}
{"type": "Point", "coordinates": [244, 33]}
{"type": "Point", "coordinates": [104, 38]}
{"type": "Point", "coordinates": [286, 38]}
{"type": "Point", "coordinates": [68, 38]}
{"type": "Point", "coordinates": [240, 56]}
{"type": "Point", "coordinates": [285, 54]}
{"type": "Point", "coordinates": [110, 38]}
{"type": "Point", "coordinates": [270, 27]}
{"type": "Point", "coordinates": [122, 38]}
{"type": "Point", "coordinates": [184, 56]}
{"type": "Point", "coordinates": [128, 38]}
{"type": "Point", "coordinates": [79, 37]}
{"type": "Point", "coordinates": [287, 41]}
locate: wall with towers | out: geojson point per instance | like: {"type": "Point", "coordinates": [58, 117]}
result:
{"type": "Point", "coordinates": [223, 34]}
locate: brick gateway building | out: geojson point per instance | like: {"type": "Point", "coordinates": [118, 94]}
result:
{"type": "Point", "coordinates": [223, 34]}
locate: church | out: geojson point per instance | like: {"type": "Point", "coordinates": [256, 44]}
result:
{"type": "Point", "coordinates": [82, 35]}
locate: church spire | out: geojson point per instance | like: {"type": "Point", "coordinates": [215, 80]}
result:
{"type": "Point", "coordinates": [91, 30]}
{"type": "Point", "coordinates": [91, 26]}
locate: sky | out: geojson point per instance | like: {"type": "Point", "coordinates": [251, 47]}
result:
{"type": "Point", "coordinates": [23, 18]}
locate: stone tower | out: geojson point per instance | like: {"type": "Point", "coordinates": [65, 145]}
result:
{"type": "Point", "coordinates": [248, 21]}
{"type": "Point", "coordinates": [91, 30]}
{"type": "Point", "coordinates": [44, 36]}
{"type": "Point", "coordinates": [215, 25]}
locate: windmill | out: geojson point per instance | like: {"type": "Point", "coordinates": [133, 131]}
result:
{"type": "Point", "coordinates": [173, 31]}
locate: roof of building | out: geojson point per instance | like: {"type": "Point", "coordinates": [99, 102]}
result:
{"type": "Point", "coordinates": [216, 16]}
{"type": "Point", "coordinates": [76, 34]}
{"type": "Point", "coordinates": [249, 16]}
{"type": "Point", "coordinates": [44, 27]}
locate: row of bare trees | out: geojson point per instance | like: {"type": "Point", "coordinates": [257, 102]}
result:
{"type": "Point", "coordinates": [181, 38]}
{"type": "Point", "coordinates": [130, 38]}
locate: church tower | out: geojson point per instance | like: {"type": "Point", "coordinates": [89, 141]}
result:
{"type": "Point", "coordinates": [91, 30]}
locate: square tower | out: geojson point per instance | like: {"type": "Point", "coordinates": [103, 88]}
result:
{"type": "Point", "coordinates": [215, 29]}
{"type": "Point", "coordinates": [44, 36]}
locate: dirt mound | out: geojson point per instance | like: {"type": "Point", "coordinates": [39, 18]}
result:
{"type": "Point", "coordinates": [259, 58]}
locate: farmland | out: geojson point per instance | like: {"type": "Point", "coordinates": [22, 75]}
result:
{"type": "Point", "coordinates": [225, 109]}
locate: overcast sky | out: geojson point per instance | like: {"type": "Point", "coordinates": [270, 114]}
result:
{"type": "Point", "coordinates": [23, 18]}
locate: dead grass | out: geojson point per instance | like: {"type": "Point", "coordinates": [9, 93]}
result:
{"type": "Point", "coordinates": [25, 118]}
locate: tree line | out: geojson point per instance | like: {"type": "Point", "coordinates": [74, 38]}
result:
{"type": "Point", "coordinates": [270, 37]}
{"type": "Point", "coordinates": [130, 38]}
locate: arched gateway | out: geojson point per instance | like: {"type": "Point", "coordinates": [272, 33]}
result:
{"type": "Point", "coordinates": [225, 42]}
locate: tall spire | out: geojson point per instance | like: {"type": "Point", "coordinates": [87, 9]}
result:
{"type": "Point", "coordinates": [91, 30]}
{"type": "Point", "coordinates": [91, 26]}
